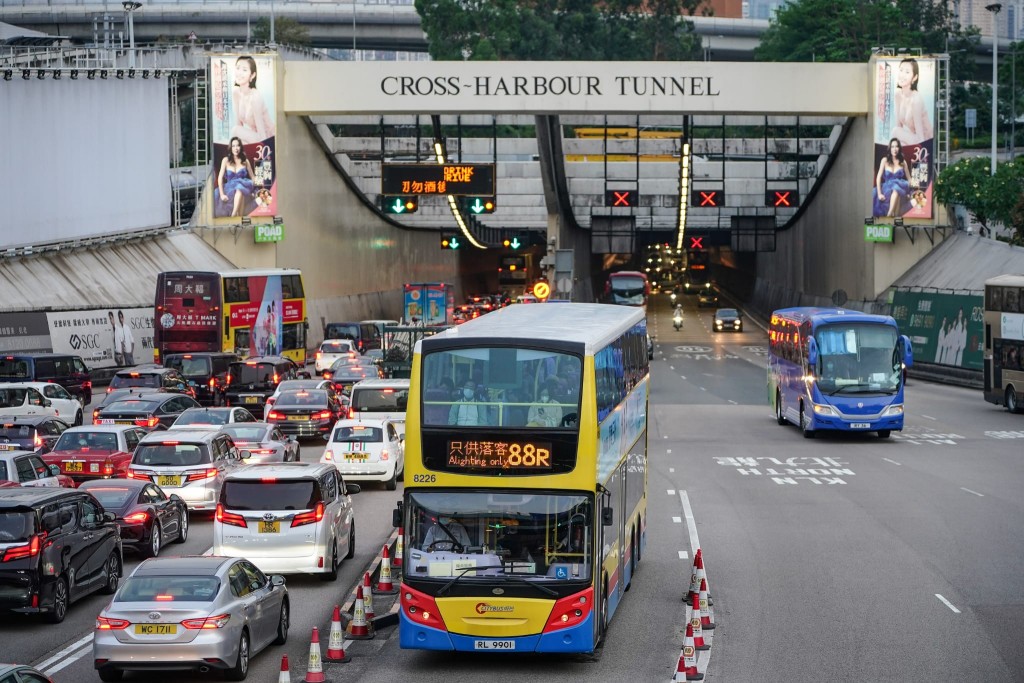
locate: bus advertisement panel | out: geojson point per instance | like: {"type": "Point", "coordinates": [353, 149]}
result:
{"type": "Point", "coordinates": [944, 328]}
{"type": "Point", "coordinates": [1004, 341]}
{"type": "Point", "coordinates": [837, 369]}
{"type": "Point", "coordinates": [260, 309]}
{"type": "Point", "coordinates": [187, 316]}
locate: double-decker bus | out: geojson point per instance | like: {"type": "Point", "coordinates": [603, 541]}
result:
{"type": "Point", "coordinates": [628, 288]}
{"type": "Point", "coordinates": [1004, 341]}
{"type": "Point", "coordinates": [526, 495]}
{"type": "Point", "coordinates": [248, 312]}
{"type": "Point", "coordinates": [833, 368]}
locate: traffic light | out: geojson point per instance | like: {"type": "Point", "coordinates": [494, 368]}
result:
{"type": "Point", "coordinates": [621, 198]}
{"type": "Point", "coordinates": [781, 198]}
{"type": "Point", "coordinates": [401, 204]}
{"type": "Point", "coordinates": [707, 198]}
{"type": "Point", "coordinates": [514, 242]}
{"type": "Point", "coordinates": [450, 242]}
{"type": "Point", "coordinates": [479, 205]}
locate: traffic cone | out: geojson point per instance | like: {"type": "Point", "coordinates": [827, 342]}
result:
{"type": "Point", "coordinates": [698, 632]}
{"type": "Point", "coordinates": [367, 597]}
{"type": "Point", "coordinates": [399, 551]}
{"type": "Point", "coordinates": [384, 584]}
{"type": "Point", "coordinates": [686, 670]}
{"type": "Point", "coordinates": [284, 676]}
{"type": "Point", "coordinates": [702, 576]}
{"type": "Point", "coordinates": [358, 628]}
{"type": "Point", "coordinates": [336, 641]}
{"type": "Point", "coordinates": [707, 614]}
{"type": "Point", "coordinates": [315, 667]}
{"type": "Point", "coordinates": [694, 581]}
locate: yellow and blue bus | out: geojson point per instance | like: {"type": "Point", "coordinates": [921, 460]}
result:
{"type": "Point", "coordinates": [1004, 341]}
{"type": "Point", "coordinates": [525, 505]}
{"type": "Point", "coordinates": [837, 369]}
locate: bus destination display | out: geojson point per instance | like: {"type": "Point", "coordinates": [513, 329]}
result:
{"type": "Point", "coordinates": [499, 455]}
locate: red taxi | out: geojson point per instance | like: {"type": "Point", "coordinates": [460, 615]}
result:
{"type": "Point", "coordinates": [95, 451]}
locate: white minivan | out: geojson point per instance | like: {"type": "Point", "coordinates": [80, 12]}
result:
{"type": "Point", "coordinates": [381, 399]}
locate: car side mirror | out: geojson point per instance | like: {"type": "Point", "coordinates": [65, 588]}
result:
{"type": "Point", "coordinates": [244, 454]}
{"type": "Point", "coordinates": [46, 403]}
{"type": "Point", "coordinates": [53, 469]}
{"type": "Point", "coordinates": [109, 517]}
{"type": "Point", "coordinates": [351, 489]}
{"type": "Point", "coordinates": [276, 580]}
{"type": "Point", "coordinates": [607, 516]}
{"type": "Point", "coordinates": [305, 375]}
{"type": "Point", "coordinates": [327, 437]}
{"type": "Point", "coordinates": [812, 352]}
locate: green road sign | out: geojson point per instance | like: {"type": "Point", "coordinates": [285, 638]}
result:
{"type": "Point", "coordinates": [269, 233]}
{"type": "Point", "coordinates": [878, 233]}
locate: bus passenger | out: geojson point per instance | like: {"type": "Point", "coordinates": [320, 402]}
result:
{"type": "Point", "coordinates": [466, 411]}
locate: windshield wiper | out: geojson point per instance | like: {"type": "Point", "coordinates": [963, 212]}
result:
{"type": "Point", "coordinates": [462, 572]}
{"type": "Point", "coordinates": [524, 580]}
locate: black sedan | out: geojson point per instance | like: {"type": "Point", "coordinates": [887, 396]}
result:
{"type": "Point", "coordinates": [728, 320]}
{"type": "Point", "coordinates": [307, 412]}
{"type": "Point", "coordinates": [344, 376]}
{"type": "Point", "coordinates": [149, 411]}
{"type": "Point", "coordinates": [146, 516]}
{"type": "Point", "coordinates": [265, 442]}
{"type": "Point", "coordinates": [35, 433]}
{"type": "Point", "coordinates": [118, 394]}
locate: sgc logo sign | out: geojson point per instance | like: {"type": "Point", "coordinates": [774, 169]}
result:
{"type": "Point", "coordinates": [84, 341]}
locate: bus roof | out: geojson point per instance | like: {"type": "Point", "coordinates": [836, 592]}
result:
{"type": "Point", "coordinates": [1008, 280]}
{"type": "Point", "coordinates": [627, 273]}
{"type": "Point", "coordinates": [831, 315]}
{"type": "Point", "coordinates": [250, 272]}
{"type": "Point", "coordinates": [592, 325]}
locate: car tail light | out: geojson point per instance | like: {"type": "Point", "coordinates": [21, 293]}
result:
{"type": "Point", "coordinates": [319, 355]}
{"type": "Point", "coordinates": [137, 517]}
{"type": "Point", "coordinates": [228, 379]}
{"type": "Point", "coordinates": [163, 598]}
{"type": "Point", "coordinates": [274, 415]}
{"type": "Point", "coordinates": [310, 517]}
{"type": "Point", "coordinates": [329, 456]}
{"type": "Point", "coordinates": [109, 389]}
{"type": "Point", "coordinates": [327, 374]}
{"type": "Point", "coordinates": [87, 385]}
{"type": "Point", "coordinates": [219, 621]}
{"type": "Point", "coordinates": [420, 608]}
{"type": "Point", "coordinates": [96, 417]}
{"type": "Point", "coordinates": [213, 382]}
{"type": "Point", "coordinates": [277, 378]}
{"type": "Point", "coordinates": [261, 451]}
{"type": "Point", "coordinates": [322, 415]}
{"type": "Point", "coordinates": [229, 518]}
{"type": "Point", "coordinates": [108, 624]}
{"type": "Point", "coordinates": [147, 422]}
{"type": "Point", "coordinates": [135, 474]}
{"type": "Point", "coordinates": [205, 474]}
{"type": "Point", "coordinates": [108, 468]}
{"type": "Point", "coordinates": [37, 441]}
{"type": "Point", "coordinates": [20, 552]}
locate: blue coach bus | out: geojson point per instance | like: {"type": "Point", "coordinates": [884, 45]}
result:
{"type": "Point", "coordinates": [833, 368]}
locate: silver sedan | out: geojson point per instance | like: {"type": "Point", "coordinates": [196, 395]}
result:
{"type": "Point", "coordinates": [191, 614]}
{"type": "Point", "coordinates": [264, 441]}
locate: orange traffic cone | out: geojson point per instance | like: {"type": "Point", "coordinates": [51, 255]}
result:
{"type": "Point", "coordinates": [694, 581]}
{"type": "Point", "coordinates": [707, 615]}
{"type": "Point", "coordinates": [698, 632]}
{"type": "Point", "coordinates": [336, 641]}
{"type": "Point", "coordinates": [284, 676]}
{"type": "Point", "coordinates": [367, 597]}
{"type": "Point", "coordinates": [686, 670]}
{"type": "Point", "coordinates": [399, 551]}
{"type": "Point", "coordinates": [315, 667]}
{"type": "Point", "coordinates": [358, 628]}
{"type": "Point", "coordinates": [384, 584]}
{"type": "Point", "coordinates": [702, 576]}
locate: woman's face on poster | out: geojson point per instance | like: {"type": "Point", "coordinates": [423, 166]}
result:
{"type": "Point", "coordinates": [894, 148]}
{"type": "Point", "coordinates": [906, 76]}
{"type": "Point", "coordinates": [236, 147]}
{"type": "Point", "coordinates": [243, 74]}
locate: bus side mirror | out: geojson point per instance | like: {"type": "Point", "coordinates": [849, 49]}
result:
{"type": "Point", "coordinates": [607, 516]}
{"type": "Point", "coordinates": [396, 517]}
{"type": "Point", "coordinates": [908, 350]}
{"type": "Point", "coordinates": [812, 352]}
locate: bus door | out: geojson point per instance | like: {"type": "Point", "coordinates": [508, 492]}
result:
{"type": "Point", "coordinates": [612, 540]}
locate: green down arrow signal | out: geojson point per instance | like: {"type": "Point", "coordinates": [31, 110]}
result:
{"type": "Point", "coordinates": [515, 243]}
{"type": "Point", "coordinates": [399, 206]}
{"type": "Point", "coordinates": [477, 206]}
{"type": "Point", "coordinates": [454, 243]}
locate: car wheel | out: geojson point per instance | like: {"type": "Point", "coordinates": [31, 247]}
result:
{"type": "Point", "coordinates": [78, 419]}
{"type": "Point", "coordinates": [392, 483]}
{"type": "Point", "coordinates": [110, 675]}
{"type": "Point", "coordinates": [1010, 400]}
{"type": "Point", "coordinates": [282, 625]}
{"type": "Point", "coordinates": [298, 454]}
{"type": "Point", "coordinates": [808, 433]}
{"type": "Point", "coordinates": [241, 668]}
{"type": "Point", "coordinates": [113, 575]}
{"type": "Point", "coordinates": [778, 409]}
{"type": "Point", "coordinates": [182, 525]}
{"type": "Point", "coordinates": [333, 573]}
{"type": "Point", "coordinates": [155, 540]}
{"type": "Point", "coordinates": [884, 433]}
{"type": "Point", "coordinates": [60, 602]}
{"type": "Point", "coordinates": [351, 543]}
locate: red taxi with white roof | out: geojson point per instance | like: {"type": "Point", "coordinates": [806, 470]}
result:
{"type": "Point", "coordinates": [95, 451]}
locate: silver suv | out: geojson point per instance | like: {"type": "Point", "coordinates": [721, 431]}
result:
{"type": "Point", "coordinates": [188, 462]}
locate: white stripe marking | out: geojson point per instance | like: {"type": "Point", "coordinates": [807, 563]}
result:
{"type": "Point", "coordinates": [929, 417]}
{"type": "Point", "coordinates": [669, 451]}
{"type": "Point", "coordinates": [69, 661]}
{"type": "Point", "coordinates": [677, 520]}
{"type": "Point", "coordinates": [733, 402]}
{"type": "Point", "coordinates": [671, 469]}
{"type": "Point", "coordinates": [892, 461]}
{"type": "Point", "coordinates": [683, 555]}
{"type": "Point", "coordinates": [671, 492]}
{"type": "Point", "coordinates": [690, 524]}
{"type": "Point", "coordinates": [70, 648]}
{"type": "Point", "coordinates": [979, 495]}
{"type": "Point", "coordinates": [671, 367]}
{"type": "Point", "coordinates": [947, 603]}
{"type": "Point", "coordinates": [208, 551]}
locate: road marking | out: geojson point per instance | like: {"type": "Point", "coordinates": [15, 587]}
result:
{"type": "Point", "coordinates": [691, 525]}
{"type": "Point", "coordinates": [671, 469]}
{"type": "Point", "coordinates": [929, 417]}
{"type": "Point", "coordinates": [683, 555]}
{"type": "Point", "coordinates": [979, 495]}
{"type": "Point", "coordinates": [69, 661]}
{"type": "Point", "coordinates": [677, 520]}
{"type": "Point", "coordinates": [671, 492]}
{"type": "Point", "coordinates": [208, 551]}
{"type": "Point", "coordinates": [947, 603]}
{"type": "Point", "coordinates": [669, 451]}
{"type": "Point", "coordinates": [70, 648]}
{"type": "Point", "coordinates": [892, 461]}
{"type": "Point", "coordinates": [671, 367]}
{"type": "Point", "coordinates": [733, 402]}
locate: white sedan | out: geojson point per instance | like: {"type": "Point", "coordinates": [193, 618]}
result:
{"type": "Point", "coordinates": [331, 350]}
{"type": "Point", "coordinates": [40, 398]}
{"type": "Point", "coordinates": [367, 450]}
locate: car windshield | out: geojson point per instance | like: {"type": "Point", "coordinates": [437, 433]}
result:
{"type": "Point", "coordinates": [245, 433]}
{"type": "Point", "coordinates": [112, 496]}
{"type": "Point", "coordinates": [293, 384]}
{"type": "Point", "coordinates": [294, 494]}
{"type": "Point", "coordinates": [16, 525]}
{"type": "Point", "coordinates": [13, 368]}
{"type": "Point", "coordinates": [168, 589]}
{"type": "Point", "coordinates": [169, 454]}
{"type": "Point", "coordinates": [305, 397]}
{"type": "Point", "coordinates": [349, 372]}
{"type": "Point", "coordinates": [190, 367]}
{"type": "Point", "coordinates": [341, 331]}
{"type": "Point", "coordinates": [727, 313]}
{"type": "Point", "coordinates": [132, 406]}
{"type": "Point", "coordinates": [10, 431]}
{"type": "Point", "coordinates": [858, 358]}
{"type": "Point", "coordinates": [383, 400]}
{"type": "Point", "coordinates": [203, 416]}
{"type": "Point", "coordinates": [12, 398]}
{"type": "Point", "coordinates": [336, 346]}
{"type": "Point", "coordinates": [358, 434]}
{"type": "Point", "coordinates": [134, 379]}
{"type": "Point", "coordinates": [257, 373]}
{"type": "Point", "coordinates": [73, 441]}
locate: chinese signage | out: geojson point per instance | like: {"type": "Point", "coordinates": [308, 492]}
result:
{"type": "Point", "coordinates": [943, 328]}
{"type": "Point", "coordinates": [269, 233]}
{"type": "Point", "coordinates": [455, 179]}
{"type": "Point", "coordinates": [505, 455]}
{"type": "Point", "coordinates": [104, 337]}
{"type": "Point", "coordinates": [24, 332]}
{"type": "Point", "coordinates": [878, 233]}
{"type": "Point", "coordinates": [190, 301]}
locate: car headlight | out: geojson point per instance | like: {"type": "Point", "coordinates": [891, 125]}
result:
{"type": "Point", "coordinates": [718, 323]}
{"type": "Point", "coordinates": [822, 409]}
{"type": "Point", "coordinates": [894, 409]}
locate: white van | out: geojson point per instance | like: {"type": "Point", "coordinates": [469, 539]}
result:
{"type": "Point", "coordinates": [380, 399]}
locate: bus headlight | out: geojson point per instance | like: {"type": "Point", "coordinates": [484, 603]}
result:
{"type": "Point", "coordinates": [821, 409]}
{"type": "Point", "coordinates": [894, 409]}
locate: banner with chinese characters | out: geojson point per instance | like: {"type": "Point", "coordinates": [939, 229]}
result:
{"type": "Point", "coordinates": [243, 101]}
{"type": "Point", "coordinates": [903, 172]}
{"type": "Point", "coordinates": [105, 337]}
{"type": "Point", "coordinates": [943, 328]}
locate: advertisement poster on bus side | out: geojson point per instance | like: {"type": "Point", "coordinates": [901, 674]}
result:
{"type": "Point", "coordinates": [243, 101]}
{"type": "Point", "coordinates": [903, 173]}
{"type": "Point", "coordinates": [945, 329]}
{"type": "Point", "coordinates": [104, 338]}
{"type": "Point", "coordinates": [264, 315]}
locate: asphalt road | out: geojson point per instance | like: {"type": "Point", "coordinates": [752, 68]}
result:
{"type": "Point", "coordinates": [840, 558]}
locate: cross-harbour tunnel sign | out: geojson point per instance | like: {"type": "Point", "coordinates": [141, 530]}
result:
{"type": "Point", "coordinates": [321, 88]}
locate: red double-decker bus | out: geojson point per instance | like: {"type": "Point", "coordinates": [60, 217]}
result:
{"type": "Point", "coordinates": [628, 288]}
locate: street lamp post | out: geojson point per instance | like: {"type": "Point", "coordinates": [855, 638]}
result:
{"type": "Point", "coordinates": [129, 7]}
{"type": "Point", "coordinates": [994, 8]}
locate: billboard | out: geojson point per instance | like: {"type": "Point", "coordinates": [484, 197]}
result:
{"type": "Point", "coordinates": [904, 137]}
{"type": "Point", "coordinates": [104, 338]}
{"type": "Point", "coordinates": [943, 328]}
{"type": "Point", "coordinates": [243, 101]}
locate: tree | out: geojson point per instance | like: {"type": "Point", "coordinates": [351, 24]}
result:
{"type": "Point", "coordinates": [988, 198]}
{"type": "Point", "coordinates": [286, 31]}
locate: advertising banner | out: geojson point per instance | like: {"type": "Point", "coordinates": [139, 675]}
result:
{"type": "Point", "coordinates": [244, 124]}
{"type": "Point", "coordinates": [104, 338]}
{"type": "Point", "coordinates": [904, 137]}
{"type": "Point", "coordinates": [945, 329]}
{"type": "Point", "coordinates": [24, 332]}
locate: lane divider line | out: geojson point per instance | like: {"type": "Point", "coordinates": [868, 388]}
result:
{"type": "Point", "coordinates": [979, 495]}
{"type": "Point", "coordinates": [70, 648]}
{"type": "Point", "coordinates": [893, 462]}
{"type": "Point", "coordinates": [929, 417]}
{"type": "Point", "coordinates": [671, 492]}
{"type": "Point", "coordinates": [691, 525]}
{"type": "Point", "coordinates": [683, 555]}
{"type": "Point", "coordinates": [677, 520]}
{"type": "Point", "coordinates": [947, 603]}
{"type": "Point", "coordinates": [71, 659]}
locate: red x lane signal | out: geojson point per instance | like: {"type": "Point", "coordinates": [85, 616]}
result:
{"type": "Point", "coordinates": [696, 243]}
{"type": "Point", "coordinates": [621, 198]}
{"type": "Point", "coordinates": [707, 198]}
{"type": "Point", "coordinates": [781, 198]}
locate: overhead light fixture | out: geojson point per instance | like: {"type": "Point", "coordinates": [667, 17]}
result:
{"type": "Point", "coordinates": [8, 74]}
{"type": "Point", "coordinates": [103, 74]}
{"type": "Point", "coordinates": [131, 73]}
{"type": "Point", "coordinates": [40, 74]}
{"type": "Point", "coordinates": [145, 73]}
{"type": "Point", "coordinates": [26, 74]}
{"type": "Point", "coordinates": [56, 74]}
{"type": "Point", "coordinates": [91, 75]}
{"type": "Point", "coordinates": [120, 73]}
{"type": "Point", "coordinates": [74, 74]}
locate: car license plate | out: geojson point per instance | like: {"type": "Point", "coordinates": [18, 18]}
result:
{"type": "Point", "coordinates": [251, 399]}
{"type": "Point", "coordinates": [860, 425]}
{"type": "Point", "coordinates": [270, 527]}
{"type": "Point", "coordinates": [8, 447]}
{"type": "Point", "coordinates": [73, 466]}
{"type": "Point", "coordinates": [124, 422]}
{"type": "Point", "coordinates": [357, 456]}
{"type": "Point", "coordinates": [494, 644]}
{"type": "Point", "coordinates": [168, 480]}
{"type": "Point", "coordinates": [193, 383]}
{"type": "Point", "coordinates": [299, 418]}
{"type": "Point", "coordinates": [156, 629]}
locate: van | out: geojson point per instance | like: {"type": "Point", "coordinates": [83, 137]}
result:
{"type": "Point", "coordinates": [366, 335]}
{"type": "Point", "coordinates": [66, 370]}
{"type": "Point", "coordinates": [380, 399]}
{"type": "Point", "coordinates": [205, 372]}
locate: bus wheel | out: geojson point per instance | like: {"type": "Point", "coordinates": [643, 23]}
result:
{"type": "Point", "coordinates": [884, 433]}
{"type": "Point", "coordinates": [808, 433]}
{"type": "Point", "coordinates": [604, 611]}
{"type": "Point", "coordinates": [1011, 400]}
{"type": "Point", "coordinates": [778, 409]}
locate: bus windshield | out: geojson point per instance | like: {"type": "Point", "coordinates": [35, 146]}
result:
{"type": "Point", "coordinates": [506, 387]}
{"type": "Point", "coordinates": [503, 533]}
{"type": "Point", "coordinates": [629, 290]}
{"type": "Point", "coordinates": [858, 358]}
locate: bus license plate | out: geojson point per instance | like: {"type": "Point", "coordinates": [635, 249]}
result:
{"type": "Point", "coordinates": [494, 645]}
{"type": "Point", "coordinates": [860, 425]}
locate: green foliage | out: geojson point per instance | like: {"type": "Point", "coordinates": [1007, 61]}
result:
{"type": "Point", "coordinates": [286, 31]}
{"type": "Point", "coordinates": [988, 198]}
{"type": "Point", "coordinates": [579, 30]}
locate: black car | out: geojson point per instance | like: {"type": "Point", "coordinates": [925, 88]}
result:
{"type": "Point", "coordinates": [252, 381]}
{"type": "Point", "coordinates": [306, 412]}
{"type": "Point", "coordinates": [365, 335]}
{"type": "Point", "coordinates": [35, 433]}
{"type": "Point", "coordinates": [728, 320]}
{"type": "Point", "coordinates": [58, 545]}
{"type": "Point", "coordinates": [206, 373]}
{"type": "Point", "coordinates": [65, 369]}
{"type": "Point", "coordinates": [150, 411]}
{"type": "Point", "coordinates": [146, 516]}
{"type": "Point", "coordinates": [118, 394]}
{"type": "Point", "coordinates": [151, 376]}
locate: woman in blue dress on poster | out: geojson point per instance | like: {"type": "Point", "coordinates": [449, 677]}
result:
{"type": "Point", "coordinates": [235, 180]}
{"type": "Point", "coordinates": [892, 183]}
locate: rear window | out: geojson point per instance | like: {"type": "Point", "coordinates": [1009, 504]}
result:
{"type": "Point", "coordinates": [169, 589]}
{"type": "Point", "coordinates": [336, 346]}
{"type": "Point", "coordinates": [112, 496]}
{"type": "Point", "coordinates": [259, 373]}
{"type": "Point", "coordinates": [170, 454]}
{"type": "Point", "coordinates": [16, 525]}
{"type": "Point", "coordinates": [14, 368]}
{"type": "Point", "coordinates": [380, 400]}
{"type": "Point", "coordinates": [296, 494]}
{"type": "Point", "coordinates": [341, 331]}
{"type": "Point", "coordinates": [358, 435]}
{"type": "Point", "coordinates": [132, 406]}
{"type": "Point", "coordinates": [190, 367]}
{"type": "Point", "coordinates": [305, 397]}
{"type": "Point", "coordinates": [355, 372]}
{"type": "Point", "coordinates": [244, 433]}
{"type": "Point", "coordinates": [16, 431]}
{"type": "Point", "coordinates": [73, 441]}
{"type": "Point", "coordinates": [122, 381]}
{"type": "Point", "coordinates": [12, 398]}
{"type": "Point", "coordinates": [3, 472]}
